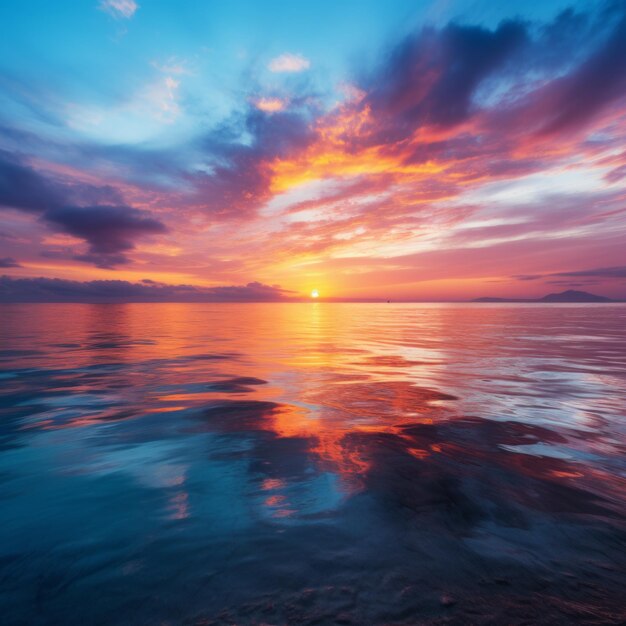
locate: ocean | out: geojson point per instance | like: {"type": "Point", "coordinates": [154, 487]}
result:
{"type": "Point", "coordinates": [312, 463]}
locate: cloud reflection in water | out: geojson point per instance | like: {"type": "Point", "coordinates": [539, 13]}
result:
{"type": "Point", "coordinates": [303, 462]}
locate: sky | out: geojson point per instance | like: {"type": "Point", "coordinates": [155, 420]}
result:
{"type": "Point", "coordinates": [441, 150]}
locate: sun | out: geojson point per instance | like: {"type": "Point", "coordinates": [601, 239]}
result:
{"type": "Point", "coordinates": [315, 293]}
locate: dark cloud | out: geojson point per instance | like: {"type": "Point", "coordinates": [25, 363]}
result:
{"type": "Point", "coordinates": [24, 188]}
{"type": "Point", "coordinates": [107, 261]}
{"type": "Point", "coordinates": [516, 84]}
{"type": "Point", "coordinates": [593, 85]}
{"type": "Point", "coordinates": [59, 290]}
{"type": "Point", "coordinates": [430, 78]}
{"type": "Point", "coordinates": [21, 187]}
{"type": "Point", "coordinates": [8, 261]}
{"type": "Point", "coordinates": [109, 229]}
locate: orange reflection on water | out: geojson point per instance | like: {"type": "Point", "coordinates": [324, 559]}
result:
{"type": "Point", "coordinates": [343, 410]}
{"type": "Point", "coordinates": [275, 500]}
{"type": "Point", "coordinates": [277, 503]}
{"type": "Point", "coordinates": [344, 379]}
{"type": "Point", "coordinates": [272, 483]}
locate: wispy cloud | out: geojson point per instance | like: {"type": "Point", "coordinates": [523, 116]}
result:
{"type": "Point", "coordinates": [149, 109]}
{"type": "Point", "coordinates": [173, 65]}
{"type": "Point", "coordinates": [119, 9]}
{"type": "Point", "coordinates": [598, 272]}
{"type": "Point", "coordinates": [269, 105]}
{"type": "Point", "coordinates": [162, 99]}
{"type": "Point", "coordinates": [289, 63]}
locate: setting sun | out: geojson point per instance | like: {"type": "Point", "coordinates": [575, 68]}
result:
{"type": "Point", "coordinates": [315, 293]}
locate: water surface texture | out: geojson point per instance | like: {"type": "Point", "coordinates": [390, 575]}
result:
{"type": "Point", "coordinates": [312, 464]}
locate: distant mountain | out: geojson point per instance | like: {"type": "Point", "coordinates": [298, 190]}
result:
{"type": "Point", "coordinates": [571, 295]}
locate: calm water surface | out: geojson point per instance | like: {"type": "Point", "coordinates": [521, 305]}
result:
{"type": "Point", "coordinates": [312, 463]}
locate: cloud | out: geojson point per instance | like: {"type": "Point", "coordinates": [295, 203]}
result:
{"type": "Point", "coordinates": [8, 261]}
{"type": "Point", "coordinates": [60, 290]}
{"type": "Point", "coordinates": [598, 272]}
{"type": "Point", "coordinates": [431, 77]}
{"type": "Point", "coordinates": [23, 188]}
{"type": "Point", "coordinates": [528, 276]}
{"type": "Point", "coordinates": [110, 230]}
{"type": "Point", "coordinates": [289, 63]}
{"type": "Point", "coordinates": [134, 119]}
{"type": "Point", "coordinates": [104, 261]}
{"type": "Point", "coordinates": [119, 9]}
{"type": "Point", "coordinates": [600, 80]}
{"type": "Point", "coordinates": [616, 175]}
{"type": "Point", "coordinates": [173, 66]}
{"type": "Point", "coordinates": [238, 153]}
{"type": "Point", "coordinates": [160, 100]}
{"type": "Point", "coordinates": [445, 112]}
{"type": "Point", "coordinates": [269, 105]}
{"type": "Point", "coordinates": [608, 273]}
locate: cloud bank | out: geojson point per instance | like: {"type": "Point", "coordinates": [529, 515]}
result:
{"type": "Point", "coordinates": [59, 290]}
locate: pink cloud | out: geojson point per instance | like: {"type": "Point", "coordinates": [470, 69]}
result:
{"type": "Point", "coordinates": [269, 105]}
{"type": "Point", "coordinates": [289, 63]}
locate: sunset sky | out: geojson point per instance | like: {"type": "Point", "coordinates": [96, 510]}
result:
{"type": "Point", "coordinates": [261, 149]}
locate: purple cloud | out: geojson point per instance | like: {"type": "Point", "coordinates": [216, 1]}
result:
{"type": "Point", "coordinates": [60, 290]}
{"type": "Point", "coordinates": [8, 261]}
{"type": "Point", "coordinates": [598, 272]}
{"type": "Point", "coordinates": [594, 85]}
{"type": "Point", "coordinates": [431, 77]}
{"type": "Point", "coordinates": [109, 229]}
{"type": "Point", "coordinates": [607, 273]}
{"type": "Point", "coordinates": [22, 188]}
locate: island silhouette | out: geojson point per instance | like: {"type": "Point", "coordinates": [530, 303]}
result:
{"type": "Point", "coordinates": [571, 295]}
